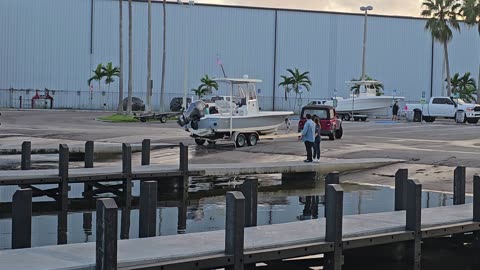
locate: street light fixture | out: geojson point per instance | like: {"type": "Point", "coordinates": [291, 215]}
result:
{"type": "Point", "coordinates": [365, 9]}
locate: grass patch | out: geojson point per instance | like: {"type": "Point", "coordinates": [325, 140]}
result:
{"type": "Point", "coordinates": [117, 118]}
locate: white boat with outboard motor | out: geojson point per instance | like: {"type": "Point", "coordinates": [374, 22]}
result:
{"type": "Point", "coordinates": [236, 118]}
{"type": "Point", "coordinates": [364, 104]}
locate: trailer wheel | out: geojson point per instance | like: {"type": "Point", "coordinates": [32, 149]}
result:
{"type": "Point", "coordinates": [163, 118]}
{"type": "Point", "coordinates": [143, 119]}
{"type": "Point", "coordinates": [346, 117]}
{"type": "Point", "coordinates": [240, 141]}
{"type": "Point", "coordinates": [356, 118]}
{"type": "Point", "coordinates": [252, 139]}
{"type": "Point", "coordinates": [363, 119]}
{"type": "Point", "coordinates": [211, 142]}
{"type": "Point", "coordinates": [200, 141]}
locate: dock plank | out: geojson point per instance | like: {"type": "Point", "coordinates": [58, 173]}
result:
{"type": "Point", "coordinates": [153, 250]}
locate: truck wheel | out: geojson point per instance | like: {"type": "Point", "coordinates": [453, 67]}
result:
{"type": "Point", "coordinates": [200, 141]}
{"type": "Point", "coordinates": [241, 140]}
{"type": "Point", "coordinates": [472, 120]}
{"type": "Point", "coordinates": [364, 119]}
{"type": "Point", "coordinates": [331, 137]}
{"type": "Point", "coordinates": [417, 116]}
{"type": "Point", "coordinates": [143, 120]}
{"type": "Point", "coordinates": [211, 142]}
{"type": "Point", "coordinates": [460, 117]}
{"type": "Point", "coordinates": [339, 133]}
{"type": "Point", "coordinates": [163, 118]}
{"type": "Point", "coordinates": [346, 117]}
{"type": "Point", "coordinates": [252, 139]}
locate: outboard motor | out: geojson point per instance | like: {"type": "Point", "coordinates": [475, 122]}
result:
{"type": "Point", "coordinates": [195, 111]}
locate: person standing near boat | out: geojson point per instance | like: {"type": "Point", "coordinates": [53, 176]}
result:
{"type": "Point", "coordinates": [395, 109]}
{"type": "Point", "coordinates": [308, 137]}
{"type": "Point", "coordinates": [316, 143]}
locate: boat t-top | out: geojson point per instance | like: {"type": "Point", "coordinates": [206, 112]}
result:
{"type": "Point", "coordinates": [236, 117]}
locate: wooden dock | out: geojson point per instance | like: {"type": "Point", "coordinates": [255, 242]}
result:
{"type": "Point", "coordinates": [242, 243]}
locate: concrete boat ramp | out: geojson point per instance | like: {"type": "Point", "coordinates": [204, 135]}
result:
{"type": "Point", "coordinates": [303, 237]}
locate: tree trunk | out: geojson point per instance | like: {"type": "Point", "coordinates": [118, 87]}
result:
{"type": "Point", "coordinates": [120, 83]}
{"type": "Point", "coordinates": [149, 58]}
{"type": "Point", "coordinates": [447, 68]}
{"type": "Point", "coordinates": [162, 87]}
{"type": "Point", "coordinates": [130, 57]}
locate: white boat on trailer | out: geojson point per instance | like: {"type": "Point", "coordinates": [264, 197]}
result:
{"type": "Point", "coordinates": [239, 118]}
{"type": "Point", "coordinates": [364, 104]}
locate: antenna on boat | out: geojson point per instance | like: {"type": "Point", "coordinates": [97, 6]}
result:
{"type": "Point", "coordinates": [219, 62]}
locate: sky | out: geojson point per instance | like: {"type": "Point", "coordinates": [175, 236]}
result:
{"type": "Point", "coordinates": [410, 8]}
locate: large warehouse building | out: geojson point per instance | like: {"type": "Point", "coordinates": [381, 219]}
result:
{"type": "Point", "coordinates": [55, 44]}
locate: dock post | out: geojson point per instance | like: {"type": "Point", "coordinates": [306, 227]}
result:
{"type": "Point", "coordinates": [249, 188]}
{"type": "Point", "coordinates": [22, 219]}
{"type": "Point", "coordinates": [401, 178]}
{"type": "Point", "coordinates": [414, 220]}
{"type": "Point", "coordinates": [459, 185]}
{"type": "Point", "coordinates": [89, 159]}
{"type": "Point", "coordinates": [234, 229]}
{"type": "Point", "coordinates": [127, 190]}
{"type": "Point", "coordinates": [63, 188]}
{"type": "Point", "coordinates": [146, 152]}
{"type": "Point", "coordinates": [331, 179]}
{"type": "Point", "coordinates": [183, 189]}
{"type": "Point", "coordinates": [106, 245]}
{"type": "Point", "coordinates": [476, 209]}
{"type": "Point", "coordinates": [26, 162]}
{"type": "Point", "coordinates": [148, 208]}
{"type": "Point", "coordinates": [334, 227]}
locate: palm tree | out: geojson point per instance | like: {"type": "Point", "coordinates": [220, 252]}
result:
{"type": "Point", "coordinates": [130, 59]}
{"type": "Point", "coordinates": [209, 83]}
{"type": "Point", "coordinates": [471, 12]}
{"type": "Point", "coordinates": [378, 86]}
{"type": "Point", "coordinates": [149, 58]}
{"type": "Point", "coordinates": [464, 87]}
{"type": "Point", "coordinates": [299, 80]}
{"type": "Point", "coordinates": [120, 83]}
{"type": "Point", "coordinates": [286, 83]}
{"type": "Point", "coordinates": [162, 87]}
{"type": "Point", "coordinates": [201, 91]}
{"type": "Point", "coordinates": [110, 72]}
{"type": "Point", "coordinates": [98, 75]}
{"type": "Point", "coordinates": [442, 14]}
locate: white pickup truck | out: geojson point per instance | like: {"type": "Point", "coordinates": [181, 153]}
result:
{"type": "Point", "coordinates": [445, 107]}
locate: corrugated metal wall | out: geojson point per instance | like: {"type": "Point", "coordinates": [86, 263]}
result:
{"type": "Point", "coordinates": [46, 44]}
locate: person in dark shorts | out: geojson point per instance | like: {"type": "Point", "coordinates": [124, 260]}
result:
{"type": "Point", "coordinates": [308, 137]}
{"type": "Point", "coordinates": [395, 110]}
{"type": "Point", "coordinates": [316, 143]}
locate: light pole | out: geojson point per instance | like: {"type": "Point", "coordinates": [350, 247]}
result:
{"type": "Point", "coordinates": [186, 53]}
{"type": "Point", "coordinates": [365, 9]}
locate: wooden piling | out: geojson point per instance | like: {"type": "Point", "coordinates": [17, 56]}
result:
{"type": "Point", "coordinates": [249, 188]}
{"type": "Point", "coordinates": [414, 220]}
{"type": "Point", "coordinates": [146, 152]}
{"type": "Point", "coordinates": [148, 209]}
{"type": "Point", "coordinates": [89, 161]}
{"type": "Point", "coordinates": [22, 219]}
{"type": "Point", "coordinates": [183, 158]}
{"type": "Point", "coordinates": [234, 228]}
{"type": "Point", "coordinates": [334, 226]}
{"type": "Point", "coordinates": [401, 178]}
{"type": "Point", "coordinates": [127, 190]}
{"type": "Point", "coordinates": [63, 188]}
{"type": "Point", "coordinates": [459, 185]}
{"type": "Point", "coordinates": [26, 162]}
{"type": "Point", "coordinates": [332, 178]}
{"type": "Point", "coordinates": [106, 245]}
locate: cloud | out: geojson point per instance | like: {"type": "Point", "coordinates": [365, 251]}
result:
{"type": "Point", "coordinates": [383, 7]}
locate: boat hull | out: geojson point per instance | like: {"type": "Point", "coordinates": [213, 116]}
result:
{"type": "Point", "coordinates": [370, 105]}
{"type": "Point", "coordinates": [262, 123]}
